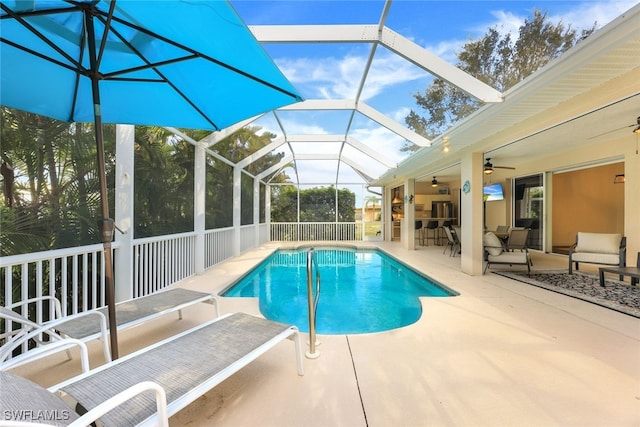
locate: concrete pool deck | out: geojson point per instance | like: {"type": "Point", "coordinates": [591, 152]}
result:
{"type": "Point", "coordinates": [501, 353]}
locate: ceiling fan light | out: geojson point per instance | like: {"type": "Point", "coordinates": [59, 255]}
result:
{"type": "Point", "coordinates": [434, 182]}
{"type": "Point", "coordinates": [637, 130]}
{"type": "Point", "coordinates": [488, 168]}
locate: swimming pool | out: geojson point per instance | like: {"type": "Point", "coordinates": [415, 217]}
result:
{"type": "Point", "coordinates": [363, 290]}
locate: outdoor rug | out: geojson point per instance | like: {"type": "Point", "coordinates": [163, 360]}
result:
{"type": "Point", "coordinates": [615, 295]}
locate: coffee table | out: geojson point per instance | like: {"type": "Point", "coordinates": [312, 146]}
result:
{"type": "Point", "coordinates": [633, 272]}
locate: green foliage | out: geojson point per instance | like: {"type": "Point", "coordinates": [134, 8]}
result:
{"type": "Point", "coordinates": [50, 187]}
{"type": "Point", "coordinates": [497, 60]}
{"type": "Point", "coordinates": [316, 205]}
{"type": "Point", "coordinates": [51, 192]}
{"type": "Point", "coordinates": [163, 183]}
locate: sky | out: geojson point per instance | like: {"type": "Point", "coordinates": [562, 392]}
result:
{"type": "Point", "coordinates": [333, 71]}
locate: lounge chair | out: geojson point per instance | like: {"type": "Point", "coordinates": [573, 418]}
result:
{"type": "Point", "coordinates": [23, 332]}
{"type": "Point", "coordinates": [47, 409]}
{"type": "Point", "coordinates": [185, 366]}
{"type": "Point", "coordinates": [495, 253]}
{"type": "Point", "coordinates": [92, 324]}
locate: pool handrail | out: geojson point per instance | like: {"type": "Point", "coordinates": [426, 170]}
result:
{"type": "Point", "coordinates": [313, 303]}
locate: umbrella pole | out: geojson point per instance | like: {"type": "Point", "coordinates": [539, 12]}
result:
{"type": "Point", "coordinates": [106, 227]}
{"type": "Point", "coordinates": [106, 224]}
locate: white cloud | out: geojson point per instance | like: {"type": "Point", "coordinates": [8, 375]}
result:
{"type": "Point", "coordinates": [581, 16]}
{"type": "Point", "coordinates": [585, 14]}
{"type": "Point", "coordinates": [339, 78]}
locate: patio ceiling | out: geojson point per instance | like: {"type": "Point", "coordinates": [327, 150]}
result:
{"type": "Point", "coordinates": [590, 93]}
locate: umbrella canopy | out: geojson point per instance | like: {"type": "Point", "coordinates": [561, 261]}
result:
{"type": "Point", "coordinates": [190, 64]}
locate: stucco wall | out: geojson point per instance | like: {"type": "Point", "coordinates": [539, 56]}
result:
{"type": "Point", "coordinates": [587, 200]}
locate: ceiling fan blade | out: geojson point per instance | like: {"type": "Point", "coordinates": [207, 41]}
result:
{"type": "Point", "coordinates": [504, 167]}
{"type": "Point", "coordinates": [611, 131]}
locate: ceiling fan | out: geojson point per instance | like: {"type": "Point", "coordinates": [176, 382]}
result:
{"type": "Point", "coordinates": [489, 167]}
{"type": "Point", "coordinates": [636, 130]}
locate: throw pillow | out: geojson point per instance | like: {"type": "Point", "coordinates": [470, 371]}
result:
{"type": "Point", "coordinates": [492, 244]}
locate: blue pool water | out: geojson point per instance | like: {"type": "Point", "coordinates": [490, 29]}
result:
{"type": "Point", "coordinates": [362, 290]}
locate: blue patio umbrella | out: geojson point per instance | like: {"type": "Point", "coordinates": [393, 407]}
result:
{"type": "Point", "coordinates": [181, 63]}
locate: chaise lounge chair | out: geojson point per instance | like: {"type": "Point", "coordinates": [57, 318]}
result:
{"type": "Point", "coordinates": [92, 324]}
{"type": "Point", "coordinates": [185, 366]}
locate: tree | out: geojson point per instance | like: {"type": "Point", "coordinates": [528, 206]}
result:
{"type": "Point", "coordinates": [317, 204]}
{"type": "Point", "coordinates": [497, 60]}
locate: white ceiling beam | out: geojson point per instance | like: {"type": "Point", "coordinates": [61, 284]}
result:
{"type": "Point", "coordinates": [275, 144]}
{"type": "Point", "coordinates": [390, 39]}
{"type": "Point", "coordinates": [281, 164]}
{"type": "Point", "coordinates": [218, 136]}
{"type": "Point", "coordinates": [321, 104]}
{"type": "Point", "coordinates": [365, 149]}
{"type": "Point", "coordinates": [392, 125]}
{"type": "Point", "coordinates": [439, 67]}
{"type": "Point", "coordinates": [336, 157]}
{"type": "Point", "coordinates": [315, 33]}
{"type": "Point", "coordinates": [358, 168]}
{"type": "Point", "coordinates": [366, 110]}
{"type": "Point", "coordinates": [366, 178]}
{"type": "Point", "coordinates": [311, 156]}
{"type": "Point", "coordinates": [315, 138]}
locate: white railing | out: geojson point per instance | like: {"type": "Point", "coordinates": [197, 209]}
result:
{"type": "Point", "coordinates": [247, 237]}
{"type": "Point", "coordinates": [322, 257]}
{"type": "Point", "coordinates": [162, 261]}
{"type": "Point", "coordinates": [307, 231]}
{"type": "Point", "coordinates": [74, 276]}
{"type": "Point", "coordinates": [263, 232]}
{"type": "Point", "coordinates": [218, 246]}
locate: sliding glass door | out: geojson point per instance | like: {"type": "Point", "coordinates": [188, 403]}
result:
{"type": "Point", "coordinates": [528, 207]}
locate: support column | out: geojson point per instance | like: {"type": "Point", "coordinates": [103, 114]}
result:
{"type": "Point", "coordinates": [471, 212]}
{"type": "Point", "coordinates": [631, 199]}
{"type": "Point", "coordinates": [237, 191]}
{"type": "Point", "coordinates": [256, 211]}
{"type": "Point", "coordinates": [199, 202]}
{"type": "Point", "coordinates": [408, 224]}
{"type": "Point", "coordinates": [123, 274]}
{"type": "Point", "coordinates": [267, 210]}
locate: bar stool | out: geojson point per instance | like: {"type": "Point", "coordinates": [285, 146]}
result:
{"type": "Point", "coordinates": [418, 229]}
{"type": "Point", "coordinates": [433, 226]}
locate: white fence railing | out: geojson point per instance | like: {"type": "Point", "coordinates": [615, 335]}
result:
{"type": "Point", "coordinates": [73, 275]}
{"type": "Point", "coordinates": [218, 246]}
{"type": "Point", "coordinates": [306, 231]}
{"type": "Point", "coordinates": [162, 261]}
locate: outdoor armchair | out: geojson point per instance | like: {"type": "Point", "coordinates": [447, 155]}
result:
{"type": "Point", "coordinates": [598, 248]}
{"type": "Point", "coordinates": [496, 253]}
